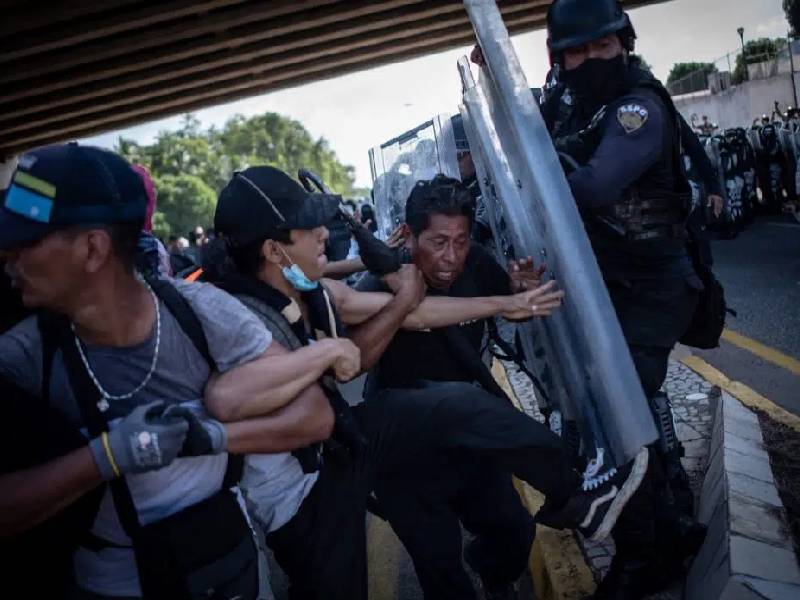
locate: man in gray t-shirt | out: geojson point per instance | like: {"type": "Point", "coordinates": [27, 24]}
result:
{"type": "Point", "coordinates": [68, 229]}
{"type": "Point", "coordinates": [234, 337]}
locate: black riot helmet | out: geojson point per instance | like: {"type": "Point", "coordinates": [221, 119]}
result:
{"type": "Point", "coordinates": [575, 22]}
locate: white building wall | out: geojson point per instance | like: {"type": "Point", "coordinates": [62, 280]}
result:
{"type": "Point", "coordinates": [740, 104]}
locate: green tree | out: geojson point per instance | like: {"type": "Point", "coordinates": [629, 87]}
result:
{"type": "Point", "coordinates": [161, 227]}
{"type": "Point", "coordinates": [792, 10]}
{"type": "Point", "coordinates": [682, 69]}
{"type": "Point", "coordinates": [756, 51]}
{"type": "Point", "coordinates": [190, 165]}
{"type": "Point", "coordinates": [185, 201]}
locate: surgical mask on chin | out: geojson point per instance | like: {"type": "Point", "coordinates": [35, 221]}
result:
{"type": "Point", "coordinates": [296, 277]}
{"type": "Point", "coordinates": [598, 79]}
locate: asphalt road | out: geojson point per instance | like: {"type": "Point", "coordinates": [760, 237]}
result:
{"type": "Point", "coordinates": [760, 271]}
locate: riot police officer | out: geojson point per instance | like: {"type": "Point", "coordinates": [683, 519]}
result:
{"type": "Point", "coordinates": [618, 126]}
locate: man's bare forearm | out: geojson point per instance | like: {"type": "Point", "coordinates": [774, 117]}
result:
{"type": "Point", "coordinates": [29, 496]}
{"type": "Point", "coordinates": [305, 420]}
{"type": "Point", "coordinates": [442, 311]}
{"type": "Point", "coordinates": [265, 384]}
{"type": "Point", "coordinates": [374, 335]}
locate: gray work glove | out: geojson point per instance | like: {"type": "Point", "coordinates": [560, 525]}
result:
{"type": "Point", "coordinates": [205, 435]}
{"type": "Point", "coordinates": [145, 440]}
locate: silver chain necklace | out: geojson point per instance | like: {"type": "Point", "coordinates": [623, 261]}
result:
{"type": "Point", "coordinates": [103, 404]}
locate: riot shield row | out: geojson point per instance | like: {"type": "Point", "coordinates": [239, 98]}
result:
{"type": "Point", "coordinates": [757, 168]}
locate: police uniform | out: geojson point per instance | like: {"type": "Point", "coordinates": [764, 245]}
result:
{"type": "Point", "coordinates": [632, 195]}
{"type": "Point", "coordinates": [627, 178]}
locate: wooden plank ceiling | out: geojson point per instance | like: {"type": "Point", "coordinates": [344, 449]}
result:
{"type": "Point", "coordinates": [74, 68]}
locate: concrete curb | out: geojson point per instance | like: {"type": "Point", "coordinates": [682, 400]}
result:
{"type": "Point", "coordinates": [557, 566]}
{"type": "Point", "coordinates": [748, 550]}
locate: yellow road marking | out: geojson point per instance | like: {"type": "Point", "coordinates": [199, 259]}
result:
{"type": "Point", "coordinates": [765, 352]}
{"type": "Point", "coordinates": [556, 563]}
{"type": "Point", "coordinates": [746, 395]}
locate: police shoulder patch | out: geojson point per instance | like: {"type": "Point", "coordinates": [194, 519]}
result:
{"type": "Point", "coordinates": [632, 117]}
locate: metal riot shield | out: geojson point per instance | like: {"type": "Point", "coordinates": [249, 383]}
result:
{"type": "Point", "coordinates": [399, 163]}
{"type": "Point", "coordinates": [786, 139]}
{"type": "Point", "coordinates": [520, 175]}
{"type": "Point", "coordinates": [754, 135]}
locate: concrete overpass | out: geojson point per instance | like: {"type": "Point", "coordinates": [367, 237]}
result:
{"type": "Point", "coordinates": [73, 68]}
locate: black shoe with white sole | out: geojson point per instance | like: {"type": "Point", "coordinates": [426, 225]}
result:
{"type": "Point", "coordinates": [595, 508]}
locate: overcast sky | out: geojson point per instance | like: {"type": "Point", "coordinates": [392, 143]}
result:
{"type": "Point", "coordinates": [355, 112]}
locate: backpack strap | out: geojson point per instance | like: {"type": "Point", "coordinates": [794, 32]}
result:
{"type": "Point", "coordinates": [515, 355]}
{"type": "Point", "coordinates": [191, 326]}
{"type": "Point", "coordinates": [50, 332]}
{"type": "Point", "coordinates": [184, 314]}
{"type": "Point", "coordinates": [87, 396]}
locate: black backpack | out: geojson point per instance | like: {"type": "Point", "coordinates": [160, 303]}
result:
{"type": "Point", "coordinates": [708, 320]}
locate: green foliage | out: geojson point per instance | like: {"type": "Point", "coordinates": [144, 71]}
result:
{"type": "Point", "coordinates": [792, 10]}
{"type": "Point", "coordinates": [190, 166]}
{"type": "Point", "coordinates": [756, 51]}
{"type": "Point", "coordinates": [184, 201]}
{"type": "Point", "coordinates": [682, 69]}
{"type": "Point", "coordinates": [161, 227]}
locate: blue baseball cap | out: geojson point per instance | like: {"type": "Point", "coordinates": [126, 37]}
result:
{"type": "Point", "coordinates": [66, 185]}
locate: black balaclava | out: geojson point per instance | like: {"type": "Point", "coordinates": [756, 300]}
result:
{"type": "Point", "coordinates": [598, 80]}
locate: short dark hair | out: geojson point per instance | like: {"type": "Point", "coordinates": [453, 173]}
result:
{"type": "Point", "coordinates": [440, 196]}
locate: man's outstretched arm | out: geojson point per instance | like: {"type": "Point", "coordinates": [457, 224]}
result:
{"type": "Point", "coordinates": [441, 311]}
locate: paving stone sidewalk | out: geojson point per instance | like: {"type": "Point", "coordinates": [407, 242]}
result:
{"type": "Point", "coordinates": [693, 420]}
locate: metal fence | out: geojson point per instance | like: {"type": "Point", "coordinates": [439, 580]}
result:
{"type": "Point", "coordinates": [724, 71]}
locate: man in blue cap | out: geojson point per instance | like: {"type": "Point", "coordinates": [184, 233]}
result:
{"type": "Point", "coordinates": [126, 362]}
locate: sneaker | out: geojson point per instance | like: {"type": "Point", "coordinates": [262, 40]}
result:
{"type": "Point", "coordinates": [595, 508]}
{"type": "Point", "coordinates": [608, 494]}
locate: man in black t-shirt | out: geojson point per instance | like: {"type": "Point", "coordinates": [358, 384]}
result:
{"type": "Point", "coordinates": [455, 490]}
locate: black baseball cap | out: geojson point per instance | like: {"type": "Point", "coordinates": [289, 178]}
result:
{"type": "Point", "coordinates": [260, 201]}
{"type": "Point", "coordinates": [59, 186]}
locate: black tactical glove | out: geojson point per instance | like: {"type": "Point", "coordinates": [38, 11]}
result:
{"type": "Point", "coordinates": [581, 146]}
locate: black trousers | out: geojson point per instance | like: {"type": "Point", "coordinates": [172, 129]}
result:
{"type": "Point", "coordinates": [428, 507]}
{"type": "Point", "coordinates": [653, 316]}
{"type": "Point", "coordinates": [323, 547]}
